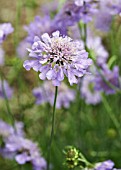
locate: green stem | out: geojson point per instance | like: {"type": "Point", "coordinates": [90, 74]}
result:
{"type": "Point", "coordinates": [52, 129]}
{"type": "Point", "coordinates": [94, 61]}
{"type": "Point", "coordinates": [7, 104]}
{"type": "Point", "coordinates": [111, 115]}
{"type": "Point", "coordinates": [103, 77]}
{"type": "Point", "coordinates": [83, 32]}
{"type": "Point", "coordinates": [17, 22]}
{"type": "Point", "coordinates": [85, 36]}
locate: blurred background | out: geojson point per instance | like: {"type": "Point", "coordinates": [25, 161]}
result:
{"type": "Point", "coordinates": [91, 128]}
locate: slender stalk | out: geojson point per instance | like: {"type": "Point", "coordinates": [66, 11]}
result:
{"type": "Point", "coordinates": [7, 104]}
{"type": "Point", "coordinates": [85, 36]}
{"type": "Point", "coordinates": [111, 115]}
{"type": "Point", "coordinates": [17, 21]}
{"type": "Point", "coordinates": [52, 129]}
{"type": "Point", "coordinates": [83, 32]}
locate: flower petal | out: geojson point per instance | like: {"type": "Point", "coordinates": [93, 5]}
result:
{"type": "Point", "coordinates": [46, 38]}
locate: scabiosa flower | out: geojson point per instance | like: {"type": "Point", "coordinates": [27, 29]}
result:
{"type": "Point", "coordinates": [107, 76]}
{"type": "Point", "coordinates": [8, 91]}
{"type": "Point", "coordinates": [5, 132]}
{"type": "Point", "coordinates": [45, 93]}
{"type": "Point", "coordinates": [72, 12]}
{"type": "Point", "coordinates": [88, 9]}
{"type": "Point", "coordinates": [88, 92]}
{"type": "Point", "coordinates": [106, 165]}
{"type": "Point", "coordinates": [68, 15]}
{"type": "Point", "coordinates": [58, 56]}
{"type": "Point", "coordinates": [16, 146]}
{"type": "Point", "coordinates": [5, 29]}
{"type": "Point", "coordinates": [37, 28]}
{"type": "Point", "coordinates": [25, 151]}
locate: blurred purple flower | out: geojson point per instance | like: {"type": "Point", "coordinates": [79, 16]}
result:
{"type": "Point", "coordinates": [2, 53]}
{"type": "Point", "coordinates": [88, 92]}
{"type": "Point", "coordinates": [5, 29]}
{"type": "Point", "coordinates": [17, 147]}
{"type": "Point", "coordinates": [5, 132]}
{"type": "Point", "coordinates": [111, 76]}
{"type": "Point", "coordinates": [88, 10]}
{"type": "Point", "coordinates": [5, 129]}
{"type": "Point", "coordinates": [37, 28]}
{"type": "Point", "coordinates": [106, 165]}
{"type": "Point", "coordinates": [103, 18]}
{"type": "Point", "coordinates": [74, 11]}
{"type": "Point", "coordinates": [68, 15]}
{"type": "Point", "coordinates": [39, 163]}
{"type": "Point", "coordinates": [8, 91]}
{"type": "Point", "coordinates": [25, 151]}
{"type": "Point", "coordinates": [114, 6]}
{"type": "Point", "coordinates": [58, 56]}
{"type": "Point", "coordinates": [45, 93]}
{"type": "Point", "coordinates": [21, 49]}
{"type": "Point", "coordinates": [95, 44]}
{"type": "Point", "coordinates": [50, 8]}
{"type": "Point", "coordinates": [79, 2]}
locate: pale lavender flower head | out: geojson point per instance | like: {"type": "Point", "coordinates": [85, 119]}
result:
{"type": "Point", "coordinates": [25, 151]}
{"type": "Point", "coordinates": [68, 15]}
{"type": "Point", "coordinates": [5, 29]}
{"type": "Point", "coordinates": [88, 10]}
{"type": "Point", "coordinates": [106, 165]}
{"type": "Point", "coordinates": [37, 28]}
{"type": "Point", "coordinates": [88, 92]}
{"type": "Point", "coordinates": [45, 93]}
{"type": "Point", "coordinates": [19, 148]}
{"type": "Point", "coordinates": [5, 132]}
{"type": "Point", "coordinates": [2, 53]}
{"type": "Point", "coordinates": [57, 56]}
{"type": "Point", "coordinates": [74, 11]}
{"type": "Point", "coordinates": [107, 76]}
{"type": "Point", "coordinates": [5, 90]}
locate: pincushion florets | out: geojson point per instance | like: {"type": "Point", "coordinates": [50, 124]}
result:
{"type": "Point", "coordinates": [57, 56]}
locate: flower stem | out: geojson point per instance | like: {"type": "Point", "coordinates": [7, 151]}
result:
{"type": "Point", "coordinates": [7, 104]}
{"type": "Point", "coordinates": [85, 36]}
{"type": "Point", "coordinates": [111, 115]}
{"type": "Point", "coordinates": [52, 129]}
